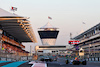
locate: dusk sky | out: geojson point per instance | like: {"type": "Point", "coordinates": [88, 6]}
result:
{"type": "Point", "coordinates": [67, 15]}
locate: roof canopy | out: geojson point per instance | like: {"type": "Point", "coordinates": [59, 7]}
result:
{"type": "Point", "coordinates": [48, 25]}
{"type": "Point", "coordinates": [17, 26]}
{"type": "Point", "coordinates": [4, 13]}
{"type": "Point", "coordinates": [87, 31]}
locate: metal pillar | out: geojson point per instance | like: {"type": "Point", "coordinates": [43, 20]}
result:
{"type": "Point", "coordinates": [1, 44]}
{"type": "Point", "coordinates": [94, 52]}
{"type": "Point", "coordinates": [89, 50]}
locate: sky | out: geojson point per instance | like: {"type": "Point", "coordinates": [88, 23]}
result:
{"type": "Point", "coordinates": [67, 15]}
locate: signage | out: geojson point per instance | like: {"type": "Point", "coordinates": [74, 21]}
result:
{"type": "Point", "coordinates": [24, 58]}
{"type": "Point", "coordinates": [3, 59]}
{"type": "Point", "coordinates": [9, 59]}
{"type": "Point", "coordinates": [92, 59]}
{"type": "Point", "coordinates": [89, 59]}
{"type": "Point", "coordinates": [96, 59]}
{"type": "Point", "coordinates": [74, 42]}
{"type": "Point", "coordinates": [29, 57]}
{"type": "Point", "coordinates": [47, 51]}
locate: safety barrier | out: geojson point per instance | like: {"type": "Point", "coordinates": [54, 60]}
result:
{"type": "Point", "coordinates": [93, 59]}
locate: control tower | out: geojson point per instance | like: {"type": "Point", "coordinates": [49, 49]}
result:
{"type": "Point", "coordinates": [48, 34]}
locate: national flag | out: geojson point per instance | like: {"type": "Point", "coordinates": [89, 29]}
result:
{"type": "Point", "coordinates": [83, 22]}
{"type": "Point", "coordinates": [77, 47]}
{"type": "Point", "coordinates": [70, 35]}
{"type": "Point", "coordinates": [49, 18]}
{"type": "Point", "coordinates": [13, 8]}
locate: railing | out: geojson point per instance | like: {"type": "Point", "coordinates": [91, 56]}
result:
{"type": "Point", "coordinates": [7, 39]}
{"type": "Point", "coordinates": [89, 37]}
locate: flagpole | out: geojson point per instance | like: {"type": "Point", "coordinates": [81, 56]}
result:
{"type": "Point", "coordinates": [83, 26]}
{"type": "Point", "coordinates": [70, 36]}
{"type": "Point", "coordinates": [48, 20]}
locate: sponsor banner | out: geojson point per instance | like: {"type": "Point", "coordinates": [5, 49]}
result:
{"type": "Point", "coordinates": [29, 57]}
{"type": "Point", "coordinates": [89, 59]}
{"type": "Point", "coordinates": [96, 59]}
{"type": "Point", "coordinates": [24, 58]}
{"type": "Point", "coordinates": [3, 59]}
{"type": "Point", "coordinates": [74, 42]}
{"type": "Point", "coordinates": [47, 51]}
{"type": "Point", "coordinates": [92, 59]}
{"type": "Point", "coordinates": [9, 59]}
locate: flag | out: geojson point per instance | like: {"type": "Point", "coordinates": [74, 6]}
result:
{"type": "Point", "coordinates": [49, 18]}
{"type": "Point", "coordinates": [13, 8]}
{"type": "Point", "coordinates": [83, 22]}
{"type": "Point", "coordinates": [77, 47]}
{"type": "Point", "coordinates": [70, 35]}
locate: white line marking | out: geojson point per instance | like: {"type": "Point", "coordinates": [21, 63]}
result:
{"type": "Point", "coordinates": [45, 65]}
{"type": "Point", "coordinates": [33, 65]}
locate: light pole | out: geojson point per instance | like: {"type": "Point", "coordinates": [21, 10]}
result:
{"type": "Point", "coordinates": [30, 50]}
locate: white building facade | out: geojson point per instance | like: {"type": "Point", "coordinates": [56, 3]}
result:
{"type": "Point", "coordinates": [48, 34]}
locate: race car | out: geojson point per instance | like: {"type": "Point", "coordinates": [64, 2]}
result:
{"type": "Point", "coordinates": [77, 62]}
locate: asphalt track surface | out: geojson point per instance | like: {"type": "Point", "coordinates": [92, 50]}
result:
{"type": "Point", "coordinates": [2, 64]}
{"type": "Point", "coordinates": [25, 65]}
{"type": "Point", "coordinates": [52, 64]}
{"type": "Point", "coordinates": [68, 65]}
{"type": "Point", "coordinates": [63, 65]}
